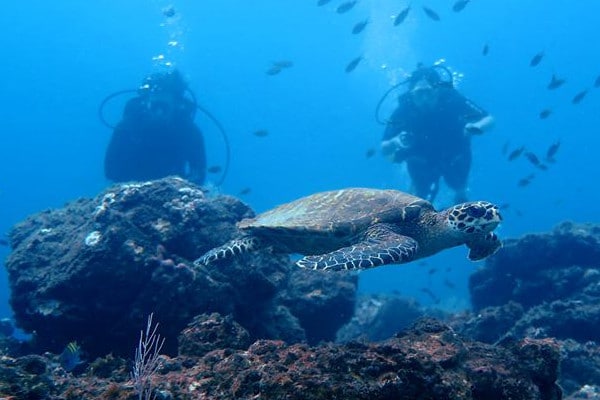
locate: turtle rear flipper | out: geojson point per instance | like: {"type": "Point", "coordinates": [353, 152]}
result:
{"type": "Point", "coordinates": [231, 249]}
{"type": "Point", "coordinates": [380, 246]}
{"type": "Point", "coordinates": [483, 246]}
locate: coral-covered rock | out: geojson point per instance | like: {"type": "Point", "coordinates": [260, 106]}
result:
{"type": "Point", "coordinates": [580, 365]}
{"type": "Point", "coordinates": [490, 324]}
{"type": "Point", "coordinates": [93, 270]}
{"type": "Point", "coordinates": [539, 267]}
{"type": "Point", "coordinates": [540, 286]}
{"type": "Point", "coordinates": [379, 317]}
{"type": "Point", "coordinates": [210, 332]}
{"type": "Point", "coordinates": [322, 301]}
{"type": "Point", "coordinates": [27, 377]}
{"type": "Point", "coordinates": [427, 361]}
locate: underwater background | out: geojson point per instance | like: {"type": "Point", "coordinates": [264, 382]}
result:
{"type": "Point", "coordinates": [63, 58]}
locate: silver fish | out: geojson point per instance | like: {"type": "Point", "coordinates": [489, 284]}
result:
{"type": "Point", "coordinates": [556, 82]}
{"type": "Point", "coordinates": [353, 64]}
{"type": "Point", "coordinates": [485, 50]}
{"type": "Point", "coordinates": [431, 14]}
{"type": "Point", "coordinates": [359, 27]}
{"type": "Point", "coordinates": [401, 16]}
{"type": "Point", "coordinates": [345, 7]}
{"type": "Point", "coordinates": [535, 60]}
{"type": "Point", "coordinates": [460, 5]}
{"type": "Point", "coordinates": [545, 113]}
{"type": "Point", "coordinates": [578, 97]}
{"type": "Point", "coordinates": [552, 150]}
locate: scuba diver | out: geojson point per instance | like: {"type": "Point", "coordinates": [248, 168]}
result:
{"type": "Point", "coordinates": [431, 130]}
{"type": "Point", "coordinates": [157, 136]}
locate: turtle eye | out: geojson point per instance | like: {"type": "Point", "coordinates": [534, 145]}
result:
{"type": "Point", "coordinates": [476, 211]}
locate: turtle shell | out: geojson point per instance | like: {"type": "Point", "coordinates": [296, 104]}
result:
{"type": "Point", "coordinates": [329, 220]}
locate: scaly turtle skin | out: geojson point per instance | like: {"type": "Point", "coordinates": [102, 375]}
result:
{"type": "Point", "coordinates": [363, 228]}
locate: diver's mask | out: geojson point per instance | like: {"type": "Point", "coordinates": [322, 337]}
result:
{"type": "Point", "coordinates": [159, 105]}
{"type": "Point", "coordinates": [423, 94]}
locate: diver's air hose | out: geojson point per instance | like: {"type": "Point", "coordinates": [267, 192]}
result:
{"type": "Point", "coordinates": [106, 100]}
{"type": "Point", "coordinates": [380, 102]}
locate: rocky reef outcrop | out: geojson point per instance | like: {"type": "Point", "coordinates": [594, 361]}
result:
{"type": "Point", "coordinates": [539, 286]}
{"type": "Point", "coordinates": [427, 361]}
{"type": "Point", "coordinates": [93, 270]}
{"type": "Point", "coordinates": [90, 273]}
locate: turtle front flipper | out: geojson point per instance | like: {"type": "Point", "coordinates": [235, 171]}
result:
{"type": "Point", "coordinates": [483, 246]}
{"type": "Point", "coordinates": [231, 249]}
{"type": "Point", "coordinates": [380, 246]}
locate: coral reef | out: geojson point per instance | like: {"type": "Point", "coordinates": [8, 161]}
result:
{"type": "Point", "coordinates": [379, 317]}
{"type": "Point", "coordinates": [93, 270]}
{"type": "Point", "coordinates": [258, 327]}
{"type": "Point", "coordinates": [540, 286]}
{"type": "Point", "coordinates": [427, 361]}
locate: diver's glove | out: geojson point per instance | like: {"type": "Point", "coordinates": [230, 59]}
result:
{"type": "Point", "coordinates": [396, 147]}
{"type": "Point", "coordinates": [472, 128]}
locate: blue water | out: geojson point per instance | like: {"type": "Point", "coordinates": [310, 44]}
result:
{"type": "Point", "coordinates": [62, 58]}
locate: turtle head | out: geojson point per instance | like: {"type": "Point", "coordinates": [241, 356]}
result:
{"type": "Point", "coordinates": [474, 222]}
{"type": "Point", "coordinates": [473, 218]}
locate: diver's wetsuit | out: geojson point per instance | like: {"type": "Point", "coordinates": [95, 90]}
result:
{"type": "Point", "coordinates": [438, 146]}
{"type": "Point", "coordinates": [150, 143]}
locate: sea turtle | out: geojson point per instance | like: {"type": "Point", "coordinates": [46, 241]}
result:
{"type": "Point", "coordinates": [360, 228]}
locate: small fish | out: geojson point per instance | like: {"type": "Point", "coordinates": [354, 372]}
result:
{"type": "Point", "coordinates": [535, 60]}
{"type": "Point", "coordinates": [345, 7]}
{"type": "Point", "coordinates": [578, 97]}
{"type": "Point", "coordinates": [168, 11]}
{"type": "Point", "coordinates": [525, 181]}
{"type": "Point", "coordinates": [516, 153]}
{"type": "Point", "coordinates": [460, 5]}
{"type": "Point", "coordinates": [401, 16]}
{"type": "Point", "coordinates": [533, 159]}
{"type": "Point", "coordinates": [552, 150]}
{"type": "Point", "coordinates": [359, 27]}
{"type": "Point", "coordinates": [432, 295]}
{"type": "Point", "coordinates": [555, 82]}
{"type": "Point", "coordinates": [449, 283]}
{"type": "Point", "coordinates": [70, 356]}
{"type": "Point", "coordinates": [545, 113]}
{"type": "Point", "coordinates": [322, 2]}
{"type": "Point", "coordinates": [505, 148]}
{"type": "Point", "coordinates": [245, 191]}
{"type": "Point", "coordinates": [274, 70]}
{"type": "Point", "coordinates": [3, 242]}
{"type": "Point", "coordinates": [353, 64]}
{"type": "Point", "coordinates": [597, 82]}
{"type": "Point", "coordinates": [432, 271]}
{"type": "Point", "coordinates": [431, 14]}
{"type": "Point", "coordinates": [283, 64]}
{"type": "Point", "coordinates": [485, 50]}
{"type": "Point", "coordinates": [261, 133]}
{"type": "Point", "coordinates": [370, 153]}
{"type": "Point", "coordinates": [215, 169]}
